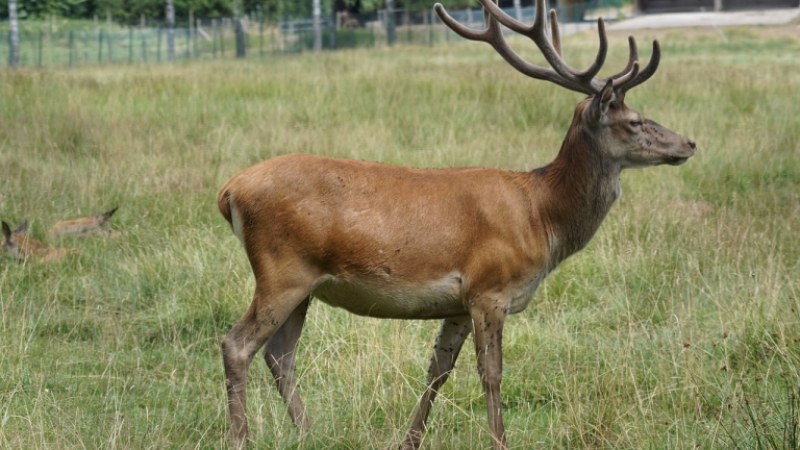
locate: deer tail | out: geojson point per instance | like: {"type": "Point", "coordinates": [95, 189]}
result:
{"type": "Point", "coordinates": [224, 204]}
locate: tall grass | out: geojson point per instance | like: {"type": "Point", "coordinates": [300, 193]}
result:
{"type": "Point", "coordinates": [676, 328]}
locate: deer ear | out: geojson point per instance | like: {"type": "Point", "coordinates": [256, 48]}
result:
{"type": "Point", "coordinates": [107, 215]}
{"type": "Point", "coordinates": [601, 102]}
{"type": "Point", "coordinates": [6, 230]}
{"type": "Point", "coordinates": [23, 227]}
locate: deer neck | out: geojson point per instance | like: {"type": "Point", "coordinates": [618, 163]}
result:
{"type": "Point", "coordinates": [582, 184]}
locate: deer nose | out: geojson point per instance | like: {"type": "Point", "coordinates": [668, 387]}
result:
{"type": "Point", "coordinates": [692, 144]}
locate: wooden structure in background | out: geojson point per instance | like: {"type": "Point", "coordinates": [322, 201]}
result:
{"type": "Point", "coordinates": [711, 5]}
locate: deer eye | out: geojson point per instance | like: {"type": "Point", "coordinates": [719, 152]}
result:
{"type": "Point", "coordinates": [635, 123]}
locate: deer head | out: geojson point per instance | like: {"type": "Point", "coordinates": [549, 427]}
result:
{"type": "Point", "coordinates": [23, 247]}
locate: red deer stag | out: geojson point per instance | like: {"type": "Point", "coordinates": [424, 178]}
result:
{"type": "Point", "coordinates": [465, 246]}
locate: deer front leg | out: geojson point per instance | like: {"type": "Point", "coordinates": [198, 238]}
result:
{"type": "Point", "coordinates": [487, 322]}
{"type": "Point", "coordinates": [451, 337]}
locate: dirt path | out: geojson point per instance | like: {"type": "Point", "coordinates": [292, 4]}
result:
{"type": "Point", "coordinates": [709, 19]}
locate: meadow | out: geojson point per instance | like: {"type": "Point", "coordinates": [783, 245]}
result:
{"type": "Point", "coordinates": [676, 328]}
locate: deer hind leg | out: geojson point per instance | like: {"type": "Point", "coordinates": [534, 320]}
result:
{"type": "Point", "coordinates": [268, 311]}
{"type": "Point", "coordinates": [451, 337]}
{"type": "Point", "coordinates": [279, 354]}
{"type": "Point", "coordinates": [487, 323]}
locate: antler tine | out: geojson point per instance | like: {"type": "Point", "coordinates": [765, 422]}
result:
{"type": "Point", "coordinates": [602, 51]}
{"type": "Point", "coordinates": [645, 73]}
{"type": "Point", "coordinates": [555, 32]}
{"type": "Point", "coordinates": [625, 77]}
{"type": "Point", "coordinates": [460, 29]}
{"type": "Point", "coordinates": [633, 56]}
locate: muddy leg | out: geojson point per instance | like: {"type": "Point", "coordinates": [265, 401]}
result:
{"type": "Point", "coordinates": [488, 329]}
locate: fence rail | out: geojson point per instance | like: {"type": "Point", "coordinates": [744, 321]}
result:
{"type": "Point", "coordinates": [46, 46]}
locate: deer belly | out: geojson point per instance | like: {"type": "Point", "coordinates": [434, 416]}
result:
{"type": "Point", "coordinates": [428, 300]}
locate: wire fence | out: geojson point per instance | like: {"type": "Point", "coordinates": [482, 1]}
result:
{"type": "Point", "coordinates": [46, 45]}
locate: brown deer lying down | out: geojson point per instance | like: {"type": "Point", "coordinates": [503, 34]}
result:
{"type": "Point", "coordinates": [465, 246]}
{"type": "Point", "coordinates": [85, 226]}
{"type": "Point", "coordinates": [23, 247]}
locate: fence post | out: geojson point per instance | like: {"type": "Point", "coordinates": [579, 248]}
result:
{"type": "Point", "coordinates": [190, 47]}
{"type": "Point", "coordinates": [407, 23]}
{"type": "Point", "coordinates": [390, 31]}
{"type": "Point", "coordinates": [222, 39]}
{"type": "Point", "coordinates": [260, 31]}
{"type": "Point", "coordinates": [70, 54]}
{"type": "Point", "coordinates": [195, 33]}
{"type": "Point", "coordinates": [158, 44]}
{"type": "Point", "coordinates": [286, 35]}
{"type": "Point", "coordinates": [274, 38]}
{"type": "Point", "coordinates": [41, 48]}
{"type": "Point", "coordinates": [13, 34]}
{"type": "Point", "coordinates": [317, 25]}
{"type": "Point", "coordinates": [429, 19]}
{"type": "Point", "coordinates": [100, 46]}
{"type": "Point", "coordinates": [214, 38]}
{"type": "Point", "coordinates": [332, 27]}
{"type": "Point", "coordinates": [189, 42]}
{"type": "Point", "coordinates": [87, 46]}
{"type": "Point", "coordinates": [170, 30]}
{"type": "Point", "coordinates": [144, 45]}
{"type": "Point", "coordinates": [241, 48]}
{"type": "Point", "coordinates": [109, 39]}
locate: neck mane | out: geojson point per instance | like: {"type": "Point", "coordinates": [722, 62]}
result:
{"type": "Point", "coordinates": [581, 185]}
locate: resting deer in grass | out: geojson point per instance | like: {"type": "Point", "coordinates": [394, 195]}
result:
{"type": "Point", "coordinates": [23, 247]}
{"type": "Point", "coordinates": [85, 226]}
{"type": "Point", "coordinates": [465, 246]}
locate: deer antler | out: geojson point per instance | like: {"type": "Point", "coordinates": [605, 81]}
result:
{"type": "Point", "coordinates": [560, 72]}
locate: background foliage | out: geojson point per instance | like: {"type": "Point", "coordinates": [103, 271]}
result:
{"type": "Point", "coordinates": [130, 11]}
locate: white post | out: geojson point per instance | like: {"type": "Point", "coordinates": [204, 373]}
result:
{"type": "Point", "coordinates": [317, 9]}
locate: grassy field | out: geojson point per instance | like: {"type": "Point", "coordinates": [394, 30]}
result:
{"type": "Point", "coordinates": [677, 327]}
